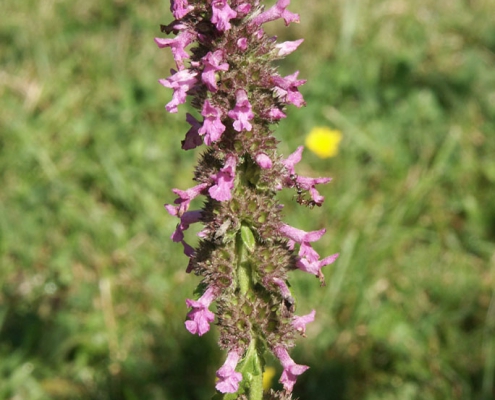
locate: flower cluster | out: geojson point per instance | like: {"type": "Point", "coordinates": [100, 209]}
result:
{"type": "Point", "coordinates": [245, 250]}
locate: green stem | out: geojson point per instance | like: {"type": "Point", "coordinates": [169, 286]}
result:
{"type": "Point", "coordinates": [251, 367]}
{"type": "Point", "coordinates": [254, 372]}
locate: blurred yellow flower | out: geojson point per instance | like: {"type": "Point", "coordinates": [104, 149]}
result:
{"type": "Point", "coordinates": [267, 377]}
{"type": "Point", "coordinates": [323, 141]}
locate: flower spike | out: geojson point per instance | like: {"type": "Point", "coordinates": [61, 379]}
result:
{"type": "Point", "coordinates": [245, 252]}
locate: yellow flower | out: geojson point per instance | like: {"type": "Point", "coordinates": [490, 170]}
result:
{"type": "Point", "coordinates": [267, 377]}
{"type": "Point", "coordinates": [323, 141]}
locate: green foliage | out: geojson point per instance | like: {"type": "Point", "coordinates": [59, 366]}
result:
{"type": "Point", "coordinates": [92, 289]}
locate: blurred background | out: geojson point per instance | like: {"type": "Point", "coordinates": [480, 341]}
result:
{"type": "Point", "coordinates": [92, 289]}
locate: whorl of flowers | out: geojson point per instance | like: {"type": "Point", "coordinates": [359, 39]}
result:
{"type": "Point", "coordinates": [245, 250]}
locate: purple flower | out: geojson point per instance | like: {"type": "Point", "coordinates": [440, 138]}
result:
{"type": "Point", "coordinates": [224, 181]}
{"type": "Point", "coordinates": [188, 251]}
{"type": "Point", "coordinates": [243, 8]}
{"type": "Point", "coordinates": [299, 323]}
{"type": "Point", "coordinates": [293, 159]}
{"type": "Point", "coordinates": [192, 139]}
{"type": "Point", "coordinates": [242, 112]}
{"type": "Point", "coordinates": [188, 218]}
{"type": "Point", "coordinates": [228, 378]}
{"type": "Point", "coordinates": [212, 127]}
{"type": "Point", "coordinates": [274, 114]}
{"type": "Point", "coordinates": [222, 14]}
{"type": "Point", "coordinates": [309, 184]}
{"type": "Point", "coordinates": [286, 89]}
{"type": "Point", "coordinates": [177, 46]}
{"type": "Point", "coordinates": [291, 369]}
{"type": "Point", "coordinates": [180, 82]}
{"type": "Point", "coordinates": [242, 44]}
{"type": "Point", "coordinates": [212, 64]}
{"type": "Point", "coordinates": [185, 198]}
{"type": "Point", "coordinates": [200, 317]}
{"type": "Point", "coordinates": [286, 48]}
{"type": "Point", "coordinates": [314, 266]}
{"type": "Point", "coordinates": [284, 289]}
{"type": "Point", "coordinates": [263, 161]}
{"type": "Point", "coordinates": [303, 238]}
{"type": "Point", "coordinates": [275, 12]}
{"type": "Point", "coordinates": [180, 8]}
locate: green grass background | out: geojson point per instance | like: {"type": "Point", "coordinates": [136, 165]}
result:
{"type": "Point", "coordinates": [92, 289]}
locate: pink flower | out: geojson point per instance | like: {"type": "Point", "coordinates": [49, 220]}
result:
{"type": "Point", "coordinates": [242, 44]}
{"type": "Point", "coordinates": [180, 82]}
{"type": "Point", "coordinates": [200, 317]}
{"type": "Point", "coordinates": [177, 45]}
{"type": "Point", "coordinates": [243, 8]}
{"type": "Point", "coordinates": [224, 181]}
{"type": "Point", "coordinates": [228, 378]}
{"type": "Point", "coordinates": [188, 218]}
{"type": "Point", "coordinates": [291, 369]}
{"type": "Point", "coordinates": [284, 289]}
{"type": "Point", "coordinates": [309, 184]}
{"type": "Point", "coordinates": [242, 112]}
{"type": "Point", "coordinates": [192, 139]}
{"type": "Point", "coordinates": [276, 12]}
{"type": "Point", "coordinates": [185, 198]}
{"type": "Point", "coordinates": [314, 266]}
{"type": "Point", "coordinates": [212, 127]}
{"type": "Point", "coordinates": [180, 8]}
{"type": "Point", "coordinates": [293, 159]}
{"type": "Point", "coordinates": [222, 14]}
{"type": "Point", "coordinates": [286, 48]}
{"type": "Point", "coordinates": [188, 251]}
{"type": "Point", "coordinates": [286, 89]}
{"type": "Point", "coordinates": [299, 323]}
{"type": "Point", "coordinates": [303, 238]}
{"type": "Point", "coordinates": [263, 161]}
{"type": "Point", "coordinates": [212, 64]}
{"type": "Point", "coordinates": [274, 114]}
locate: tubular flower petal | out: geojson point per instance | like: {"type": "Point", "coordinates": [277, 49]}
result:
{"type": "Point", "coordinates": [314, 267]}
{"type": "Point", "coordinates": [199, 318]}
{"type": "Point", "coordinates": [242, 44]}
{"type": "Point", "coordinates": [275, 114]}
{"type": "Point", "coordinates": [291, 369]}
{"type": "Point", "coordinates": [212, 64]}
{"type": "Point", "coordinates": [299, 323]}
{"type": "Point", "coordinates": [180, 8]}
{"type": "Point", "coordinates": [192, 139]}
{"type": "Point", "coordinates": [242, 112]}
{"type": "Point", "coordinates": [293, 159]}
{"type": "Point", "coordinates": [276, 12]}
{"type": "Point", "coordinates": [263, 161]}
{"type": "Point", "coordinates": [188, 218]}
{"type": "Point", "coordinates": [286, 89]}
{"type": "Point", "coordinates": [222, 14]}
{"type": "Point", "coordinates": [212, 128]}
{"type": "Point", "coordinates": [309, 184]}
{"type": "Point", "coordinates": [224, 181]}
{"type": "Point", "coordinates": [180, 82]}
{"type": "Point", "coordinates": [228, 378]}
{"type": "Point", "coordinates": [286, 48]}
{"type": "Point", "coordinates": [177, 46]}
{"type": "Point", "coordinates": [185, 198]}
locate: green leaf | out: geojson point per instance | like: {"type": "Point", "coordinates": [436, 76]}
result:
{"type": "Point", "coordinates": [248, 238]}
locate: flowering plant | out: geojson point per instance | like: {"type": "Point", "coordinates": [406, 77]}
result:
{"type": "Point", "coordinates": [245, 250]}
